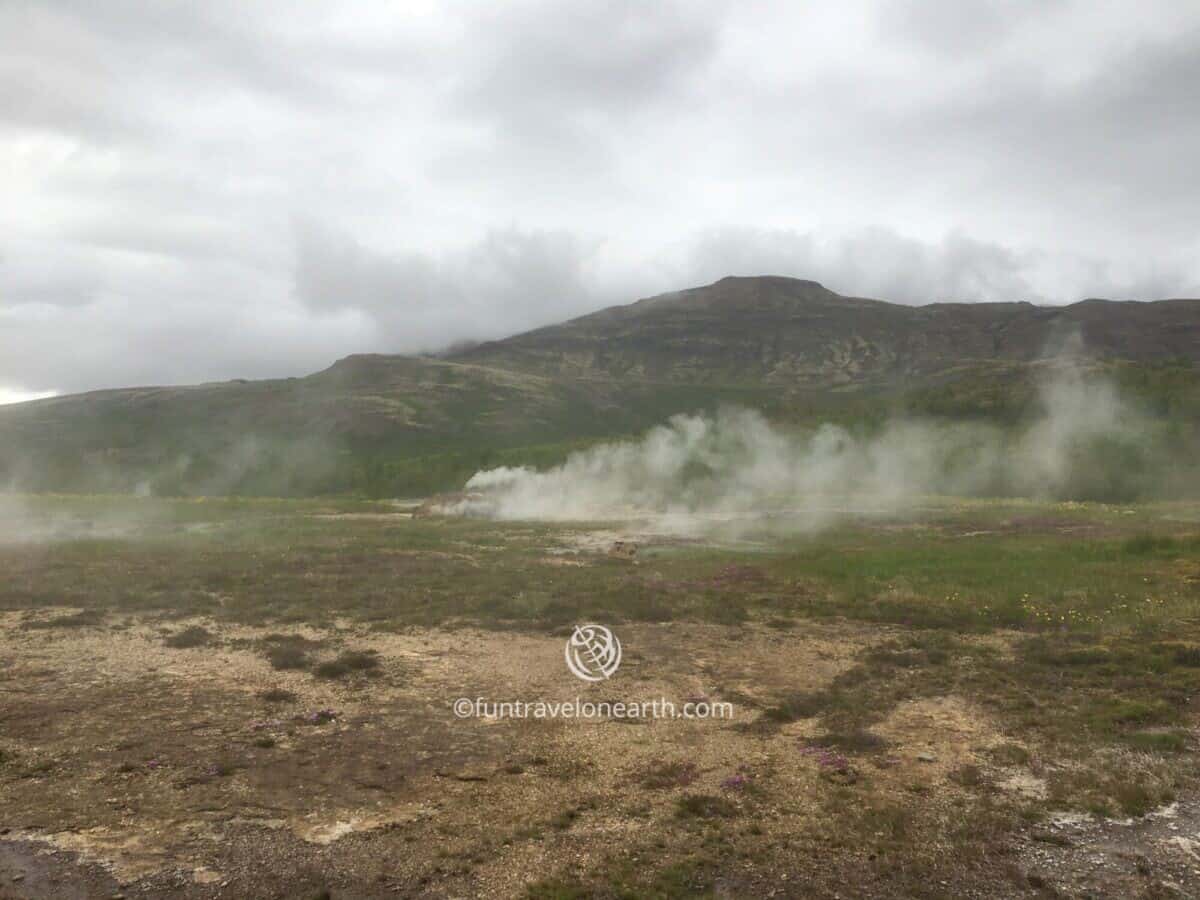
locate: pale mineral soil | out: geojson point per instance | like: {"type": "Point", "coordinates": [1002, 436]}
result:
{"type": "Point", "coordinates": [863, 758]}
{"type": "Point", "coordinates": [145, 759]}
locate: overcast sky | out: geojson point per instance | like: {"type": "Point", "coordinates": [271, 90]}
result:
{"type": "Point", "coordinates": [204, 190]}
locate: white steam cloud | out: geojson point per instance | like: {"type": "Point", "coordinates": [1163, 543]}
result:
{"type": "Point", "coordinates": [49, 521]}
{"type": "Point", "coordinates": [697, 469]}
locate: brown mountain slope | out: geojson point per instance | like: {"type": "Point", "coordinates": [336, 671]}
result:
{"type": "Point", "coordinates": [790, 348]}
{"type": "Point", "coordinates": [786, 331]}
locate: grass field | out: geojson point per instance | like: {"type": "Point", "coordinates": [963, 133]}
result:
{"type": "Point", "coordinates": [253, 697]}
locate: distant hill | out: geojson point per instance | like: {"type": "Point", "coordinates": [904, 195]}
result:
{"type": "Point", "coordinates": [784, 331]}
{"type": "Point", "coordinates": [401, 424]}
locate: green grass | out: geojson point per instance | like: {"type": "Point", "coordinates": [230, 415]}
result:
{"type": "Point", "coordinates": [409, 427]}
{"type": "Point", "coordinates": [86, 618]}
{"type": "Point", "coordinates": [193, 636]}
{"type": "Point", "coordinates": [277, 695]}
{"type": "Point", "coordinates": [346, 663]}
{"type": "Point", "coordinates": [1025, 580]}
{"type": "Point", "coordinates": [972, 566]}
{"type": "Point", "coordinates": [1073, 628]}
{"type": "Point", "coordinates": [1105, 599]}
{"type": "Point", "coordinates": [704, 806]}
{"type": "Point", "coordinates": [288, 651]}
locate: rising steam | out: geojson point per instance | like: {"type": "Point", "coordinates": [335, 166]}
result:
{"type": "Point", "coordinates": [737, 464]}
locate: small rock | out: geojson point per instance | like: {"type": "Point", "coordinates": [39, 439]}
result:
{"type": "Point", "coordinates": [926, 757]}
{"type": "Point", "coordinates": [466, 775]}
{"type": "Point", "coordinates": [623, 549]}
{"type": "Point", "coordinates": [203, 875]}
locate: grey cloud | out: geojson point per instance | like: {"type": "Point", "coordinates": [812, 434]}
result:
{"type": "Point", "coordinates": [959, 29]}
{"type": "Point", "coordinates": [557, 89]}
{"type": "Point", "coordinates": [341, 297]}
{"type": "Point", "coordinates": [55, 73]}
{"type": "Point", "coordinates": [508, 281]}
{"type": "Point", "coordinates": [103, 345]}
{"type": "Point", "coordinates": [543, 63]}
{"type": "Point", "coordinates": [469, 170]}
{"type": "Point", "coordinates": [1033, 135]}
{"type": "Point", "coordinates": [879, 262]}
{"type": "Point", "coordinates": [45, 273]}
{"type": "Point", "coordinates": [874, 262]}
{"type": "Point", "coordinates": [1121, 138]}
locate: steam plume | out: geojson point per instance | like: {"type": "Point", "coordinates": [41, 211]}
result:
{"type": "Point", "coordinates": [736, 464]}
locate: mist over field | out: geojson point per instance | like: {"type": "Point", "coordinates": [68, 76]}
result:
{"type": "Point", "coordinates": [735, 463]}
{"type": "Point", "coordinates": [25, 520]}
{"type": "Point", "coordinates": [12, 514]}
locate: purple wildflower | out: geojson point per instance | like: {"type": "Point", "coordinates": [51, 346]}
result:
{"type": "Point", "coordinates": [827, 758]}
{"type": "Point", "coordinates": [319, 717]}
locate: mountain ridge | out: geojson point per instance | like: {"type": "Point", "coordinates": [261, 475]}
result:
{"type": "Point", "coordinates": [801, 331]}
{"type": "Point", "coordinates": [788, 347]}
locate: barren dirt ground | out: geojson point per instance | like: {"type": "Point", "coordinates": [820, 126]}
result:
{"type": "Point", "coordinates": [153, 767]}
{"type": "Point", "coordinates": [138, 766]}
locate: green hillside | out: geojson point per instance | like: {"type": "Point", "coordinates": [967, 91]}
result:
{"type": "Point", "coordinates": [405, 426]}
